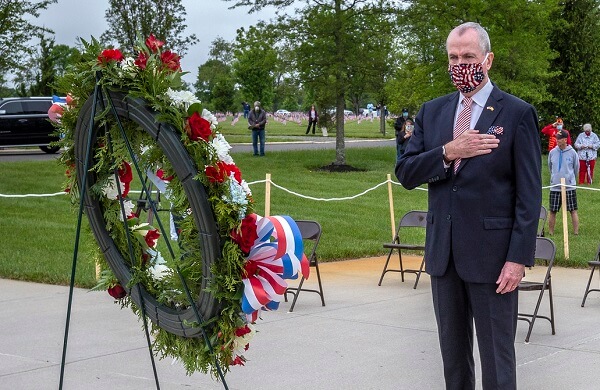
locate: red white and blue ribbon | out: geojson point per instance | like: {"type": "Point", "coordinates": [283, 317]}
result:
{"type": "Point", "coordinates": [277, 254]}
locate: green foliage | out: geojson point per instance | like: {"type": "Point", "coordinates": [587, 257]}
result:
{"type": "Point", "coordinates": [255, 59]}
{"type": "Point", "coordinates": [519, 43]}
{"type": "Point", "coordinates": [128, 20]}
{"type": "Point", "coordinates": [575, 87]}
{"type": "Point", "coordinates": [156, 80]}
{"type": "Point", "coordinates": [215, 85]}
{"type": "Point", "coordinates": [17, 31]}
{"type": "Point", "coordinates": [39, 75]}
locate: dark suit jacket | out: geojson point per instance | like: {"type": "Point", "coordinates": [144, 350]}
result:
{"type": "Point", "coordinates": [259, 119]}
{"type": "Point", "coordinates": [488, 213]}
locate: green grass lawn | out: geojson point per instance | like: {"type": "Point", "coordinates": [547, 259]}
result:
{"type": "Point", "coordinates": [277, 131]}
{"type": "Point", "coordinates": [38, 234]}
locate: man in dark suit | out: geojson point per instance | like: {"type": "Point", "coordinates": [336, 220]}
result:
{"type": "Point", "coordinates": [483, 169]}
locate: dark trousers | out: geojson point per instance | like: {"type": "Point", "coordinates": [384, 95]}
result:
{"type": "Point", "coordinates": [457, 304]}
{"type": "Point", "coordinates": [256, 136]}
{"type": "Point", "coordinates": [313, 124]}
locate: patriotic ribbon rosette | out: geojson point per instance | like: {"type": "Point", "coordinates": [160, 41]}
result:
{"type": "Point", "coordinates": [277, 254]}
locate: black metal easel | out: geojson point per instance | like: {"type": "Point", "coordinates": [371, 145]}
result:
{"type": "Point", "coordinates": [98, 97]}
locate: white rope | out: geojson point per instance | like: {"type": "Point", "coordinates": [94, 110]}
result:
{"type": "Point", "coordinates": [335, 199]}
{"type": "Point", "coordinates": [328, 199]}
{"type": "Point", "coordinates": [32, 195]}
{"type": "Point", "coordinates": [296, 193]}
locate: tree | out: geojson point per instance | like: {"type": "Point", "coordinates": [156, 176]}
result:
{"type": "Point", "coordinates": [64, 56]}
{"type": "Point", "coordinates": [130, 20]}
{"type": "Point", "coordinates": [17, 32]}
{"type": "Point", "coordinates": [215, 85]}
{"type": "Point", "coordinates": [328, 49]}
{"type": "Point", "coordinates": [576, 86]}
{"type": "Point", "coordinates": [519, 42]}
{"type": "Point", "coordinates": [209, 75]}
{"type": "Point", "coordinates": [39, 73]}
{"type": "Point", "coordinates": [255, 59]}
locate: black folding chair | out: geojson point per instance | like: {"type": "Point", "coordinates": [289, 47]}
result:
{"type": "Point", "coordinates": [542, 222]}
{"type": "Point", "coordinates": [411, 224]}
{"type": "Point", "coordinates": [593, 263]}
{"type": "Point", "coordinates": [544, 250]}
{"type": "Point", "coordinates": [310, 231]}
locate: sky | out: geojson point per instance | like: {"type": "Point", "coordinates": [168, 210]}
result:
{"type": "Point", "coordinates": [208, 19]}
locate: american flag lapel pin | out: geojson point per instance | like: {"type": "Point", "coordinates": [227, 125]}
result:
{"type": "Point", "coordinates": [490, 108]}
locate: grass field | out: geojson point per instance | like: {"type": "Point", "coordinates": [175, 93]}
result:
{"type": "Point", "coordinates": [277, 131]}
{"type": "Point", "coordinates": [38, 234]}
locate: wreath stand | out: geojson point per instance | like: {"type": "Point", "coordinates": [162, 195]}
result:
{"type": "Point", "coordinates": [179, 322]}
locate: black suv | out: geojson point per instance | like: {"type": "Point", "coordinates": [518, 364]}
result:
{"type": "Point", "coordinates": [24, 122]}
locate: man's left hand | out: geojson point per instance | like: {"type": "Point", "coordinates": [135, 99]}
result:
{"type": "Point", "coordinates": [510, 276]}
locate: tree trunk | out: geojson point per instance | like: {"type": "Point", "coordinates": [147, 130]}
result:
{"type": "Point", "coordinates": [340, 104]}
{"type": "Point", "coordinates": [340, 146]}
{"type": "Point", "coordinates": [382, 119]}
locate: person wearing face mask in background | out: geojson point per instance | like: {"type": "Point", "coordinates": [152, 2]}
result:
{"type": "Point", "coordinates": [562, 164]}
{"type": "Point", "coordinates": [587, 144]}
{"type": "Point", "coordinates": [551, 130]}
{"type": "Point", "coordinates": [257, 119]}
{"type": "Point", "coordinates": [398, 129]}
{"type": "Point", "coordinates": [478, 150]}
{"type": "Point", "coordinates": [403, 136]}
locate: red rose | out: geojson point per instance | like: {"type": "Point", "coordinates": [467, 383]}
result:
{"type": "Point", "coordinates": [170, 60]}
{"type": "Point", "coordinates": [246, 234]}
{"type": "Point", "coordinates": [151, 237]}
{"type": "Point", "coordinates": [222, 171]}
{"type": "Point", "coordinates": [161, 175]}
{"type": "Point", "coordinates": [153, 43]}
{"type": "Point", "coordinates": [213, 174]}
{"type": "Point", "coordinates": [238, 361]}
{"type": "Point", "coordinates": [145, 257]}
{"type": "Point", "coordinates": [239, 332]}
{"type": "Point", "coordinates": [126, 176]}
{"type": "Point", "coordinates": [117, 291]}
{"type": "Point", "coordinates": [198, 127]}
{"type": "Point", "coordinates": [109, 55]}
{"type": "Point", "coordinates": [141, 60]}
{"type": "Point", "coordinates": [232, 168]}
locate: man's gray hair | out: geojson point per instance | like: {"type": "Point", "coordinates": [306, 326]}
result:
{"type": "Point", "coordinates": [587, 127]}
{"type": "Point", "coordinates": [484, 38]}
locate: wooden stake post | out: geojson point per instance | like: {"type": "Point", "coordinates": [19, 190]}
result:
{"type": "Point", "coordinates": [268, 195]}
{"type": "Point", "coordinates": [391, 199]}
{"type": "Point", "coordinates": [563, 196]}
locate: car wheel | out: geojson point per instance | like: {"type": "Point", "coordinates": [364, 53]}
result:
{"type": "Point", "coordinates": [50, 149]}
{"type": "Point", "coordinates": [176, 321]}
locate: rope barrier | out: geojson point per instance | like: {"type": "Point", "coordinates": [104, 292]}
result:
{"type": "Point", "coordinates": [33, 195]}
{"type": "Point", "coordinates": [296, 193]}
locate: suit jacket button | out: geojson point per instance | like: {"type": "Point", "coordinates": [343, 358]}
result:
{"type": "Point", "coordinates": [454, 188]}
{"type": "Point", "coordinates": [448, 217]}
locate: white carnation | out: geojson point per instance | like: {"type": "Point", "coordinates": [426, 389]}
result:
{"type": "Point", "coordinates": [181, 98]}
{"type": "Point", "coordinates": [128, 206]}
{"type": "Point", "coordinates": [159, 269]}
{"type": "Point", "coordinates": [214, 122]}
{"type": "Point", "coordinates": [128, 65]}
{"type": "Point", "coordinates": [246, 187]}
{"type": "Point", "coordinates": [222, 147]}
{"type": "Point", "coordinates": [110, 190]}
{"type": "Point", "coordinates": [239, 343]}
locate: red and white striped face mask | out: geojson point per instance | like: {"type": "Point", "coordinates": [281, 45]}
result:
{"type": "Point", "coordinates": [467, 77]}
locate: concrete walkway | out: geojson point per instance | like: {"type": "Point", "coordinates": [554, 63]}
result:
{"type": "Point", "coordinates": [367, 337]}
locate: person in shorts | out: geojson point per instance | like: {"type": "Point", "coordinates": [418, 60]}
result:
{"type": "Point", "coordinates": [563, 162]}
